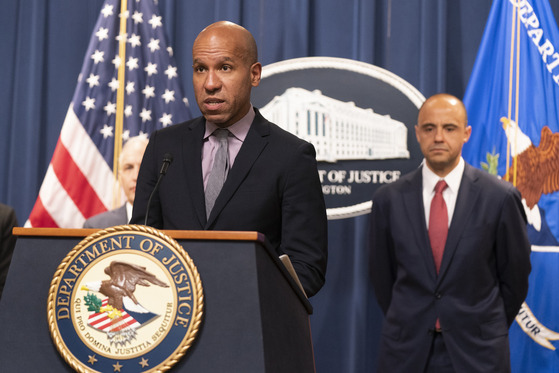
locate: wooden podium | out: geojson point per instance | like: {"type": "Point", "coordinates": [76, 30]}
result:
{"type": "Point", "coordinates": [256, 319]}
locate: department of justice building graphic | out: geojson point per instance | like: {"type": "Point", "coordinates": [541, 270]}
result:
{"type": "Point", "coordinates": [338, 130]}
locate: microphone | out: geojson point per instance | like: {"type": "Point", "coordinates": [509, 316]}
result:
{"type": "Point", "coordinates": [167, 159]}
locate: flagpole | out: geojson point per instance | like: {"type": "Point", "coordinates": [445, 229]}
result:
{"type": "Point", "coordinates": [517, 98]}
{"type": "Point", "coordinates": [511, 68]}
{"type": "Point", "coordinates": [119, 101]}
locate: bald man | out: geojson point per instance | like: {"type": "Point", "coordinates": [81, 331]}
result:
{"type": "Point", "coordinates": [128, 167]}
{"type": "Point", "coordinates": [271, 182]}
{"type": "Point", "coordinates": [450, 257]}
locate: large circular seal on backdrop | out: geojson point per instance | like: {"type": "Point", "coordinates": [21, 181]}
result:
{"type": "Point", "coordinates": [359, 117]}
{"type": "Point", "coordinates": [127, 298]}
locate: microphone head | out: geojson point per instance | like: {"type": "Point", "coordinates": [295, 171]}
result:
{"type": "Point", "coordinates": [168, 157]}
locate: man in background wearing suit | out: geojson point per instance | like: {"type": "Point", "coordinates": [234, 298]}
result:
{"type": "Point", "coordinates": [271, 179]}
{"type": "Point", "coordinates": [8, 221]}
{"type": "Point", "coordinates": [128, 167]}
{"type": "Point", "coordinates": [450, 260]}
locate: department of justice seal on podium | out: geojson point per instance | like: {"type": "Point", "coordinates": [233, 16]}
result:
{"type": "Point", "coordinates": [125, 299]}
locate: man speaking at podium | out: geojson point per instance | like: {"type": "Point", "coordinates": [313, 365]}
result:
{"type": "Point", "coordinates": [231, 169]}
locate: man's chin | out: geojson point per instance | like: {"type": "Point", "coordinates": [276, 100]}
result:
{"type": "Point", "coordinates": [441, 164]}
{"type": "Point", "coordinates": [438, 159]}
{"type": "Point", "coordinates": [219, 120]}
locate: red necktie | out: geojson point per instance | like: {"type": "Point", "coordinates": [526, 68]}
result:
{"type": "Point", "coordinates": [438, 223]}
{"type": "Point", "coordinates": [438, 228]}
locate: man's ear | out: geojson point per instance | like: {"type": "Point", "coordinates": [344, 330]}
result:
{"type": "Point", "coordinates": [467, 133]}
{"type": "Point", "coordinates": [255, 74]}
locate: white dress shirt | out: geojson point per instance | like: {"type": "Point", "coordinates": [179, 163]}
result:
{"type": "Point", "coordinates": [450, 194]}
{"type": "Point", "coordinates": [128, 211]}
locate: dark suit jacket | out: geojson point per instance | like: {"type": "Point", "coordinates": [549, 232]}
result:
{"type": "Point", "coordinates": [273, 188]}
{"type": "Point", "coordinates": [7, 241]}
{"type": "Point", "coordinates": [482, 282]}
{"type": "Point", "coordinates": [108, 218]}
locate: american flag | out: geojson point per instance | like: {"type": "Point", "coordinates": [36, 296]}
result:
{"type": "Point", "coordinates": [79, 181]}
{"type": "Point", "coordinates": [102, 321]}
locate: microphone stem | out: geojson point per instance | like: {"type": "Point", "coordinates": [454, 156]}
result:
{"type": "Point", "coordinates": [167, 159]}
{"type": "Point", "coordinates": [151, 197]}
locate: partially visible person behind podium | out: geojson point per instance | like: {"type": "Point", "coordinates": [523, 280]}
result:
{"type": "Point", "coordinates": [450, 256]}
{"type": "Point", "coordinates": [8, 221]}
{"type": "Point", "coordinates": [253, 176]}
{"type": "Point", "coordinates": [128, 167]}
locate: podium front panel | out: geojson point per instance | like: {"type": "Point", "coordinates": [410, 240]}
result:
{"type": "Point", "coordinates": [253, 320]}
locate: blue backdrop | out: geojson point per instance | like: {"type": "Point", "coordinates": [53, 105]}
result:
{"type": "Point", "coordinates": [430, 43]}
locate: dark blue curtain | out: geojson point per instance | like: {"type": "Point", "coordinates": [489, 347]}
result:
{"type": "Point", "coordinates": [430, 43]}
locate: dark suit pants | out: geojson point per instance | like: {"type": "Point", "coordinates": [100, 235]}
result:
{"type": "Point", "coordinates": [439, 359]}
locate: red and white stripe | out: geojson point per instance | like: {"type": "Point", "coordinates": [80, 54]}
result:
{"type": "Point", "coordinates": [78, 183]}
{"type": "Point", "coordinates": [101, 321]}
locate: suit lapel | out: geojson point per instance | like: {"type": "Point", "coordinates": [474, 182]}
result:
{"type": "Point", "coordinates": [255, 141]}
{"type": "Point", "coordinates": [192, 150]}
{"type": "Point", "coordinates": [465, 202]}
{"type": "Point", "coordinates": [413, 201]}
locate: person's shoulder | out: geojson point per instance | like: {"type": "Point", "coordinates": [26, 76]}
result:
{"type": "Point", "coordinates": [403, 184]}
{"type": "Point", "coordinates": [96, 220]}
{"type": "Point", "coordinates": [493, 189]}
{"type": "Point", "coordinates": [7, 215]}
{"type": "Point", "coordinates": [5, 209]}
{"type": "Point", "coordinates": [275, 131]}
{"type": "Point", "coordinates": [179, 127]}
{"type": "Point", "coordinates": [405, 180]}
{"type": "Point", "coordinates": [489, 181]}
{"type": "Point", "coordinates": [107, 218]}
